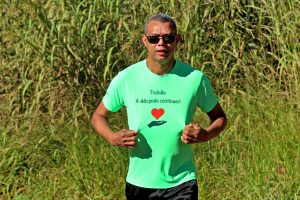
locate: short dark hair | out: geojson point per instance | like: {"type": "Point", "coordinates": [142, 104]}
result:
{"type": "Point", "coordinates": [162, 18]}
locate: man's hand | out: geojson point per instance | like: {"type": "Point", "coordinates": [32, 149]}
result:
{"type": "Point", "coordinates": [124, 138]}
{"type": "Point", "coordinates": [193, 133]}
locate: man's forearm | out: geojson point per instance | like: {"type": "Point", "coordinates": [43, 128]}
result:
{"type": "Point", "coordinates": [101, 126]}
{"type": "Point", "coordinates": [214, 129]}
{"type": "Point", "coordinates": [124, 137]}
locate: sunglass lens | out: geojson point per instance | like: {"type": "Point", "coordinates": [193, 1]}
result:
{"type": "Point", "coordinates": [169, 38]}
{"type": "Point", "coordinates": [153, 39]}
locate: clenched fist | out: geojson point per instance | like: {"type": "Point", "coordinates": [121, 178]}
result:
{"type": "Point", "coordinates": [193, 133]}
{"type": "Point", "coordinates": [124, 138]}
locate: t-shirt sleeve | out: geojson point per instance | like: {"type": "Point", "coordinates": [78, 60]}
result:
{"type": "Point", "coordinates": [206, 96]}
{"type": "Point", "coordinates": [113, 100]}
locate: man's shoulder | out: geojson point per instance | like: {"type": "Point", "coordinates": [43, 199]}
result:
{"type": "Point", "coordinates": [134, 67]}
{"type": "Point", "coordinates": [191, 71]}
{"type": "Point", "coordinates": [130, 70]}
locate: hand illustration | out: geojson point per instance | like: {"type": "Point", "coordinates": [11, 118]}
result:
{"type": "Point", "coordinates": [156, 123]}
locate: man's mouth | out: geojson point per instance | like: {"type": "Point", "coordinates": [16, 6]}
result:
{"type": "Point", "coordinates": [162, 51]}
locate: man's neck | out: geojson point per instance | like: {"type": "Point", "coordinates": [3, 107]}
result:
{"type": "Point", "coordinates": [160, 68]}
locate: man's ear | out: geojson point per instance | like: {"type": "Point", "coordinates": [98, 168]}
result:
{"type": "Point", "coordinates": [178, 38]}
{"type": "Point", "coordinates": [144, 40]}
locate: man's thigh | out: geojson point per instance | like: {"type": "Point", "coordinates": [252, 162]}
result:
{"type": "Point", "coordinates": [184, 191]}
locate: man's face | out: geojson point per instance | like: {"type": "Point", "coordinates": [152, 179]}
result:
{"type": "Point", "coordinates": [162, 51]}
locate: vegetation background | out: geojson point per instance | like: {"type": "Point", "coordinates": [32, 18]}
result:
{"type": "Point", "coordinates": [58, 57]}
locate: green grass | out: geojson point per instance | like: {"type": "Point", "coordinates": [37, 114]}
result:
{"type": "Point", "coordinates": [257, 157]}
{"type": "Point", "coordinates": [58, 57]}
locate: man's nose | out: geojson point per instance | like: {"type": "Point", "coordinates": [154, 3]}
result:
{"type": "Point", "coordinates": [161, 41]}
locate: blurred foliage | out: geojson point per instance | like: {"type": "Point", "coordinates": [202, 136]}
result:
{"type": "Point", "coordinates": [58, 57]}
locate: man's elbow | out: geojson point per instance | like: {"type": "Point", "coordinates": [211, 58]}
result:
{"type": "Point", "coordinates": [95, 118]}
{"type": "Point", "coordinates": [224, 120]}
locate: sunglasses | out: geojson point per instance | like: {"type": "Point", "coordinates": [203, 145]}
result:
{"type": "Point", "coordinates": [154, 39]}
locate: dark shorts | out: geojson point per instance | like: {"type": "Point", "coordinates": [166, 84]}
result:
{"type": "Point", "coordinates": [184, 191]}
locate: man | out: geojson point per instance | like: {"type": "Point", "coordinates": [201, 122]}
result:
{"type": "Point", "coordinates": [161, 95]}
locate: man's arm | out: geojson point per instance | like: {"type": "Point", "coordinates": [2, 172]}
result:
{"type": "Point", "coordinates": [126, 138]}
{"type": "Point", "coordinates": [193, 133]}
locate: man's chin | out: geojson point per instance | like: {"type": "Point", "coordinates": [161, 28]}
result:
{"type": "Point", "coordinates": [162, 59]}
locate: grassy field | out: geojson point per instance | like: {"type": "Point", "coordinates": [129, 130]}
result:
{"type": "Point", "coordinates": [57, 58]}
{"type": "Point", "coordinates": [257, 157]}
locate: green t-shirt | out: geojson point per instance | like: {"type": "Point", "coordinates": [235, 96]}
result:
{"type": "Point", "coordinates": [159, 107]}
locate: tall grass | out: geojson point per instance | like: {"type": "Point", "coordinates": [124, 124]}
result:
{"type": "Point", "coordinates": [257, 157]}
{"type": "Point", "coordinates": [57, 58]}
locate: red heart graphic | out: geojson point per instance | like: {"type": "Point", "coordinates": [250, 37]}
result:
{"type": "Point", "coordinates": [157, 113]}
